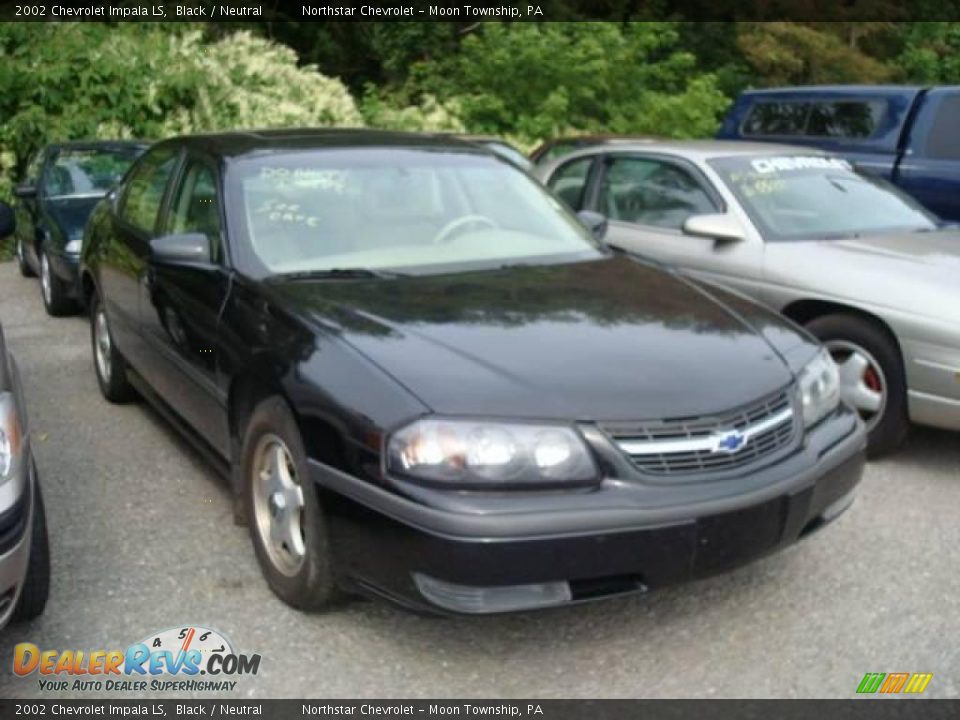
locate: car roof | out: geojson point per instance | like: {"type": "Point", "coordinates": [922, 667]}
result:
{"type": "Point", "coordinates": [697, 149]}
{"type": "Point", "coordinates": [97, 144]}
{"type": "Point", "coordinates": [838, 89]}
{"type": "Point", "coordinates": [244, 142]}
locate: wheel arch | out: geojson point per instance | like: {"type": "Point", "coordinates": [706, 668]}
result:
{"type": "Point", "coordinates": [803, 311]}
{"type": "Point", "coordinates": [323, 439]}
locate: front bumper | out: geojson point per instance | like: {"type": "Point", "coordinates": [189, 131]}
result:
{"type": "Point", "coordinates": [15, 525]}
{"type": "Point", "coordinates": [453, 552]}
{"type": "Point", "coordinates": [66, 266]}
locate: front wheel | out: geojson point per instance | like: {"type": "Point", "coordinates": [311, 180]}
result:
{"type": "Point", "coordinates": [287, 524]}
{"type": "Point", "coordinates": [109, 364]}
{"type": "Point", "coordinates": [54, 291]}
{"type": "Point", "coordinates": [36, 584]}
{"type": "Point", "coordinates": [872, 378]}
{"type": "Point", "coordinates": [22, 264]}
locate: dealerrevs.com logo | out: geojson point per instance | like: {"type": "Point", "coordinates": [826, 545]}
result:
{"type": "Point", "coordinates": [182, 659]}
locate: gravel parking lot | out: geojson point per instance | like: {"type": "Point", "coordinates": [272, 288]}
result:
{"type": "Point", "coordinates": [142, 540]}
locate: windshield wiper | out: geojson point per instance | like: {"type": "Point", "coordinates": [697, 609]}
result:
{"type": "Point", "coordinates": [338, 274]}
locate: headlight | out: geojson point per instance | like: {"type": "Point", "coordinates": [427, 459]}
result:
{"type": "Point", "coordinates": [74, 246]}
{"type": "Point", "coordinates": [476, 453]}
{"type": "Point", "coordinates": [819, 385]}
{"type": "Point", "coordinates": [9, 436]}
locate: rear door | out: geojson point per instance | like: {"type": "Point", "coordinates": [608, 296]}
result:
{"type": "Point", "coordinates": [28, 232]}
{"type": "Point", "coordinates": [647, 198]}
{"type": "Point", "coordinates": [123, 265]}
{"type": "Point", "coordinates": [930, 168]}
{"type": "Point", "coordinates": [181, 303]}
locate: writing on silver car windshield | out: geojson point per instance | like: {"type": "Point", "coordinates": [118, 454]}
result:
{"type": "Point", "coordinates": [799, 197]}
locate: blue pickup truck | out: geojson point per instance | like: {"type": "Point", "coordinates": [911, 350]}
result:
{"type": "Point", "coordinates": [908, 135]}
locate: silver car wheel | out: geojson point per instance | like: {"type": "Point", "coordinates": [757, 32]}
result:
{"type": "Point", "coordinates": [102, 344]}
{"type": "Point", "coordinates": [45, 279]}
{"type": "Point", "coordinates": [863, 384]}
{"type": "Point", "coordinates": [278, 505]}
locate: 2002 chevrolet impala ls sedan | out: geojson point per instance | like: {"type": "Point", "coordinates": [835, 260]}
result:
{"type": "Point", "coordinates": [426, 380]}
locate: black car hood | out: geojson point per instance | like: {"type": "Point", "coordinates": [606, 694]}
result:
{"type": "Point", "coordinates": [611, 339]}
{"type": "Point", "coordinates": [70, 214]}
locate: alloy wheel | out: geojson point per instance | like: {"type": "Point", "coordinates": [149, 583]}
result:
{"type": "Point", "coordinates": [46, 281]}
{"type": "Point", "coordinates": [102, 344]}
{"type": "Point", "coordinates": [863, 384]}
{"type": "Point", "coordinates": [278, 505]}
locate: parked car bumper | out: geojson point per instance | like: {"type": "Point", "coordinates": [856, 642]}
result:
{"type": "Point", "coordinates": [16, 512]}
{"type": "Point", "coordinates": [933, 376]}
{"type": "Point", "coordinates": [66, 266]}
{"type": "Point", "coordinates": [474, 562]}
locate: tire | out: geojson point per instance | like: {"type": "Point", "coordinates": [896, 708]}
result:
{"type": "Point", "coordinates": [109, 365]}
{"type": "Point", "coordinates": [53, 290]}
{"type": "Point", "coordinates": [305, 579]}
{"type": "Point", "coordinates": [36, 584]}
{"type": "Point", "coordinates": [844, 336]}
{"type": "Point", "coordinates": [22, 263]}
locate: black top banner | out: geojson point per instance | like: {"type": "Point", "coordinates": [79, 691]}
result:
{"type": "Point", "coordinates": [479, 709]}
{"type": "Point", "coordinates": [233, 11]}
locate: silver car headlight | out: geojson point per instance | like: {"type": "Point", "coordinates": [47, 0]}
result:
{"type": "Point", "coordinates": [465, 453]}
{"type": "Point", "coordinates": [10, 437]}
{"type": "Point", "coordinates": [819, 388]}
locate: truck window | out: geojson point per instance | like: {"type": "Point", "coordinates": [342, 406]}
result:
{"type": "Point", "coordinates": [845, 118]}
{"type": "Point", "coordinates": [943, 142]}
{"type": "Point", "coordinates": [776, 118]}
{"type": "Point", "coordinates": [840, 118]}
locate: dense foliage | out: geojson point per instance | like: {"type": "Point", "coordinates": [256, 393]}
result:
{"type": "Point", "coordinates": [525, 81]}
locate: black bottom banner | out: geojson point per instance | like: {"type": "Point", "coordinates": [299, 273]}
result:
{"type": "Point", "coordinates": [532, 709]}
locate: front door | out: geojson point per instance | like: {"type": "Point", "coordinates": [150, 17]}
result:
{"type": "Point", "coordinates": [180, 308]}
{"type": "Point", "coordinates": [648, 198]}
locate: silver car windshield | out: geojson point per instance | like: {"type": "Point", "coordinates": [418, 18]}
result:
{"type": "Point", "coordinates": [397, 209]}
{"type": "Point", "coordinates": [800, 197]}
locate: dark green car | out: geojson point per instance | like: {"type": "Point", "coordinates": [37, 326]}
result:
{"type": "Point", "coordinates": [62, 184]}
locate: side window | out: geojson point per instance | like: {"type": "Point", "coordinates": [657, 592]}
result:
{"type": "Point", "coordinates": [845, 118]}
{"type": "Point", "coordinates": [653, 192]}
{"type": "Point", "coordinates": [943, 142]}
{"type": "Point", "coordinates": [776, 118]}
{"type": "Point", "coordinates": [569, 182]}
{"type": "Point", "coordinates": [196, 208]}
{"type": "Point", "coordinates": [144, 193]}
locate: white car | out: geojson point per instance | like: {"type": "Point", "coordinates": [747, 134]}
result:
{"type": "Point", "coordinates": [860, 264]}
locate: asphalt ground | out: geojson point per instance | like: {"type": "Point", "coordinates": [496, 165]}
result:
{"type": "Point", "coordinates": [142, 540]}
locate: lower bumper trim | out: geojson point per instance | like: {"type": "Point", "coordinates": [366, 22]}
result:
{"type": "Point", "coordinates": [481, 600]}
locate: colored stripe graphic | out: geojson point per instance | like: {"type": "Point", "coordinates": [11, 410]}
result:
{"type": "Point", "coordinates": [918, 682]}
{"type": "Point", "coordinates": [871, 682]}
{"type": "Point", "coordinates": [894, 683]}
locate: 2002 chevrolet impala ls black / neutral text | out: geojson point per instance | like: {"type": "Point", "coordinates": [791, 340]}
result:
{"type": "Point", "coordinates": [426, 380]}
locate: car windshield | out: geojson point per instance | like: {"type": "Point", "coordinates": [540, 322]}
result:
{"type": "Point", "coordinates": [800, 197]}
{"type": "Point", "coordinates": [87, 171]}
{"type": "Point", "coordinates": [420, 211]}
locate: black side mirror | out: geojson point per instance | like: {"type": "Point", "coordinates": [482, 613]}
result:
{"type": "Point", "coordinates": [181, 248]}
{"type": "Point", "coordinates": [594, 222]}
{"type": "Point", "coordinates": [25, 192]}
{"type": "Point", "coordinates": [8, 220]}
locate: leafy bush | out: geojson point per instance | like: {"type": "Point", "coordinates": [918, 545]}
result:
{"type": "Point", "coordinates": [84, 80]}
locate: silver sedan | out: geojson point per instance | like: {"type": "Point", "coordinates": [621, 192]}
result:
{"type": "Point", "coordinates": [864, 267]}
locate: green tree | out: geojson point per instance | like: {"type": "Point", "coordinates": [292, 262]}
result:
{"type": "Point", "coordinates": [537, 81]}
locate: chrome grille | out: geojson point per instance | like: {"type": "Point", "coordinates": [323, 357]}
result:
{"type": "Point", "coordinates": [713, 444]}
